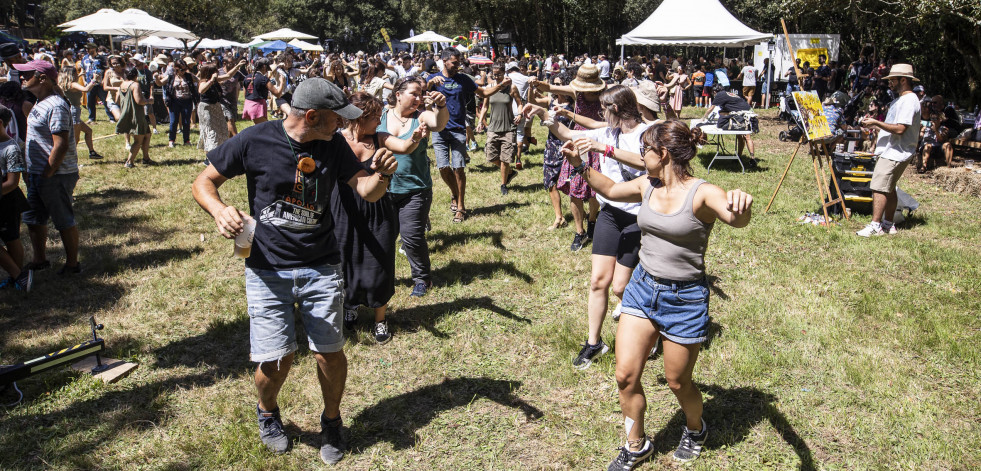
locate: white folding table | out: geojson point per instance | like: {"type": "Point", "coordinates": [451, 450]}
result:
{"type": "Point", "coordinates": [716, 137]}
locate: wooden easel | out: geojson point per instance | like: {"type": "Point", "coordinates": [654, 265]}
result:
{"type": "Point", "coordinates": [820, 159]}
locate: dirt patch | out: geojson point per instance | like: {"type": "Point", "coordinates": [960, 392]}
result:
{"type": "Point", "coordinates": [958, 180]}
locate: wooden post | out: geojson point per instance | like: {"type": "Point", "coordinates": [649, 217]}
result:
{"type": "Point", "coordinates": [793, 60]}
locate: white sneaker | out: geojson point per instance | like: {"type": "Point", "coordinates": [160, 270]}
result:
{"type": "Point", "coordinates": [129, 146]}
{"type": "Point", "coordinates": [871, 230]}
{"type": "Point", "coordinates": [616, 311]}
{"type": "Point", "coordinates": [155, 131]}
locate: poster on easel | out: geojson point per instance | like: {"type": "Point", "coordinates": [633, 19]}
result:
{"type": "Point", "coordinates": [812, 115]}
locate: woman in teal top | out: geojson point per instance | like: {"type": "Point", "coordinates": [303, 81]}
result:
{"type": "Point", "coordinates": [412, 184]}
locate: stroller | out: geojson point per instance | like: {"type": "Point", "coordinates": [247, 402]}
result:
{"type": "Point", "coordinates": [790, 114]}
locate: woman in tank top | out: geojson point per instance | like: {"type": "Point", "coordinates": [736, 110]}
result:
{"type": "Point", "coordinates": [74, 91]}
{"type": "Point", "coordinates": [667, 296]}
{"type": "Point", "coordinates": [110, 83]}
{"type": "Point", "coordinates": [132, 119]}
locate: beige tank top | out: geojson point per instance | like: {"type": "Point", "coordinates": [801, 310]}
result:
{"type": "Point", "coordinates": [672, 246]}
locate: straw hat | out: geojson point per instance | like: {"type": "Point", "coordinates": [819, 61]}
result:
{"type": "Point", "coordinates": [587, 80]}
{"type": "Point", "coordinates": [901, 70]}
{"type": "Point", "coordinates": [646, 94]}
{"type": "Point", "coordinates": [162, 58]}
{"type": "Point", "coordinates": [189, 61]}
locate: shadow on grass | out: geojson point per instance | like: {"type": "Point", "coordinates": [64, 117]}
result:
{"type": "Point", "coordinates": [441, 241]}
{"type": "Point", "coordinates": [731, 414]}
{"type": "Point", "coordinates": [529, 188]}
{"type": "Point", "coordinates": [57, 302]}
{"type": "Point", "coordinates": [731, 165]}
{"type": "Point", "coordinates": [397, 419]}
{"type": "Point", "coordinates": [427, 315]}
{"type": "Point", "coordinates": [161, 162]}
{"type": "Point", "coordinates": [496, 209]}
{"type": "Point", "coordinates": [464, 273]}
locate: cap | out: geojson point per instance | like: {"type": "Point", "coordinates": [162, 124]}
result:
{"type": "Point", "coordinates": [8, 50]}
{"type": "Point", "coordinates": [511, 65]}
{"type": "Point", "coordinates": [319, 94]}
{"type": "Point", "coordinates": [139, 58]}
{"type": "Point", "coordinates": [41, 66]}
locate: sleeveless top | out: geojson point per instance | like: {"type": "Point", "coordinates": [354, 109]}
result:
{"type": "Point", "coordinates": [413, 172]}
{"type": "Point", "coordinates": [672, 246]}
{"type": "Point", "coordinates": [132, 117]}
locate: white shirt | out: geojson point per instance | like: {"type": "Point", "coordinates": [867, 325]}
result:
{"type": "Point", "coordinates": [521, 81]}
{"type": "Point", "coordinates": [900, 147]}
{"type": "Point", "coordinates": [604, 68]}
{"type": "Point", "coordinates": [587, 61]}
{"type": "Point", "coordinates": [548, 65]}
{"type": "Point", "coordinates": [749, 76]}
{"type": "Point", "coordinates": [611, 167]}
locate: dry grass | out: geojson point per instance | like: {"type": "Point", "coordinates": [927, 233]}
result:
{"type": "Point", "coordinates": [828, 351]}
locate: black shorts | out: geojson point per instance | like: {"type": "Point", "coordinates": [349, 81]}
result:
{"type": "Point", "coordinates": [11, 206]}
{"type": "Point", "coordinates": [616, 235]}
{"type": "Point", "coordinates": [286, 99]}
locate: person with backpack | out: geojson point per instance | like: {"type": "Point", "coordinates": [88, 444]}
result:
{"type": "Point", "coordinates": [257, 86]}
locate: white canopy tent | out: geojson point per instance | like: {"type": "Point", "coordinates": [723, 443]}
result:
{"type": "Point", "coordinates": [673, 23]}
{"type": "Point", "coordinates": [132, 22]}
{"type": "Point", "coordinates": [306, 46]}
{"type": "Point", "coordinates": [285, 34]}
{"type": "Point", "coordinates": [96, 15]}
{"type": "Point", "coordinates": [156, 42]}
{"type": "Point", "coordinates": [428, 37]}
{"type": "Point", "coordinates": [215, 43]}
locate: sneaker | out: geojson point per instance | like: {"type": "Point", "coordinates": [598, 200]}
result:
{"type": "Point", "coordinates": [25, 281]}
{"type": "Point", "coordinates": [891, 230]}
{"type": "Point", "coordinates": [510, 177]}
{"type": "Point", "coordinates": [350, 318]}
{"type": "Point", "coordinates": [421, 288]}
{"type": "Point", "coordinates": [382, 335]}
{"type": "Point", "coordinates": [67, 270]}
{"type": "Point", "coordinates": [271, 431]}
{"type": "Point", "coordinates": [691, 444]}
{"type": "Point", "coordinates": [334, 445]}
{"type": "Point", "coordinates": [519, 165]}
{"type": "Point", "coordinates": [402, 249]}
{"type": "Point", "coordinates": [616, 311]}
{"type": "Point", "coordinates": [628, 460]}
{"type": "Point", "coordinates": [155, 131]}
{"type": "Point", "coordinates": [95, 155]}
{"type": "Point", "coordinates": [588, 354]}
{"type": "Point", "coordinates": [578, 241]}
{"type": "Point", "coordinates": [504, 189]}
{"type": "Point", "coordinates": [871, 230]}
{"type": "Point", "coordinates": [9, 282]}
{"type": "Point", "coordinates": [171, 144]}
{"type": "Point", "coordinates": [590, 225]}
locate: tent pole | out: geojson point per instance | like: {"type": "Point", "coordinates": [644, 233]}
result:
{"type": "Point", "coordinates": [621, 54]}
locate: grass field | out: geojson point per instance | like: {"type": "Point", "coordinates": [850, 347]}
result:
{"type": "Point", "coordinates": [828, 351]}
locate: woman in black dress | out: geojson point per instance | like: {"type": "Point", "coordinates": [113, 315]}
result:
{"type": "Point", "coordinates": [366, 231]}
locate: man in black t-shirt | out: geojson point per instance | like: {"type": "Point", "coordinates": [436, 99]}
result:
{"type": "Point", "coordinates": [729, 103]}
{"type": "Point", "coordinates": [290, 167]}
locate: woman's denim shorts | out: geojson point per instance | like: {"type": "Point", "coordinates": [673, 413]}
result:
{"type": "Point", "coordinates": [679, 309]}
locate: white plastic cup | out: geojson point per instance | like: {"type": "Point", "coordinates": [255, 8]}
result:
{"type": "Point", "coordinates": [969, 164]}
{"type": "Point", "coordinates": [243, 241]}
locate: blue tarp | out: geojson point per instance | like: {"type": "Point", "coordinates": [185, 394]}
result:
{"type": "Point", "coordinates": [7, 38]}
{"type": "Point", "coordinates": [277, 45]}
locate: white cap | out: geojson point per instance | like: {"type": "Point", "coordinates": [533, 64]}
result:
{"type": "Point", "coordinates": [139, 58]}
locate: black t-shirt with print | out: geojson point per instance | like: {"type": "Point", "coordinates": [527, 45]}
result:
{"type": "Point", "coordinates": [256, 87]}
{"type": "Point", "coordinates": [292, 209]}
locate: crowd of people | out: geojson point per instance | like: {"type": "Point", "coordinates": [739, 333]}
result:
{"type": "Point", "coordinates": [342, 183]}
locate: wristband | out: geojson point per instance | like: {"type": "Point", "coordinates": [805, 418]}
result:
{"type": "Point", "coordinates": [580, 169]}
{"type": "Point", "coordinates": [608, 152]}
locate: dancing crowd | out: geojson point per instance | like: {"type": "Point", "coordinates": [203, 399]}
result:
{"type": "Point", "coordinates": [342, 183]}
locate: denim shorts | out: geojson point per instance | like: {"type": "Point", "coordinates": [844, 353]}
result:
{"type": "Point", "coordinates": [679, 309]}
{"type": "Point", "coordinates": [274, 296]}
{"type": "Point", "coordinates": [51, 198]}
{"type": "Point", "coordinates": [450, 142]}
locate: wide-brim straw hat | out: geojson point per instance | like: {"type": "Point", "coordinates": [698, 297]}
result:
{"type": "Point", "coordinates": [646, 93]}
{"type": "Point", "coordinates": [162, 58]}
{"type": "Point", "coordinates": [587, 80]}
{"type": "Point", "coordinates": [901, 70]}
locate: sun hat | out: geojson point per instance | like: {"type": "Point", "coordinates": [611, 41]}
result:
{"type": "Point", "coordinates": [319, 94]}
{"type": "Point", "coordinates": [901, 70]}
{"type": "Point", "coordinates": [189, 61]}
{"type": "Point", "coordinates": [162, 58]}
{"type": "Point", "coordinates": [587, 80]}
{"type": "Point", "coordinates": [646, 93]}
{"type": "Point", "coordinates": [41, 66]}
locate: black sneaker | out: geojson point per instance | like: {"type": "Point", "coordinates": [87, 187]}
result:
{"type": "Point", "coordinates": [588, 354]}
{"type": "Point", "coordinates": [578, 241]}
{"type": "Point", "coordinates": [271, 431]}
{"type": "Point", "coordinates": [382, 335]}
{"type": "Point", "coordinates": [504, 189]}
{"type": "Point", "coordinates": [510, 177]}
{"type": "Point", "coordinates": [67, 270]}
{"type": "Point", "coordinates": [95, 155]}
{"type": "Point", "coordinates": [628, 460]}
{"type": "Point", "coordinates": [25, 281]}
{"type": "Point", "coordinates": [334, 444]}
{"type": "Point", "coordinates": [350, 318]}
{"type": "Point", "coordinates": [590, 225]}
{"type": "Point", "coordinates": [421, 289]}
{"type": "Point", "coordinates": [691, 443]}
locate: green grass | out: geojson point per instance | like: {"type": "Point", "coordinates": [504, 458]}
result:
{"type": "Point", "coordinates": [828, 351]}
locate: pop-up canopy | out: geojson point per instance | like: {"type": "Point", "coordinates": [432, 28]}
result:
{"type": "Point", "coordinates": [693, 23]}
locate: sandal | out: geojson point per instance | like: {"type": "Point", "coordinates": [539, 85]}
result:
{"type": "Point", "coordinates": [460, 215]}
{"type": "Point", "coordinates": [557, 224]}
{"type": "Point", "coordinates": [453, 207]}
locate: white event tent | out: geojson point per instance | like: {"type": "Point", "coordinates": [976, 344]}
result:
{"type": "Point", "coordinates": [692, 23]}
{"type": "Point", "coordinates": [305, 45]}
{"type": "Point", "coordinates": [284, 34]}
{"type": "Point", "coordinates": [428, 37]}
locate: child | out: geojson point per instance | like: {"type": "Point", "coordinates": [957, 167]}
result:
{"type": "Point", "coordinates": [12, 203]}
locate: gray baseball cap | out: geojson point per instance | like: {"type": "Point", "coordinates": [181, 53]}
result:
{"type": "Point", "coordinates": [319, 94]}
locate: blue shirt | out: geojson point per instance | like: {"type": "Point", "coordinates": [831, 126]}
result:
{"type": "Point", "coordinates": [457, 89]}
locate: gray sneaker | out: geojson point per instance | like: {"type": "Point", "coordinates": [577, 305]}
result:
{"type": "Point", "coordinates": [334, 446]}
{"type": "Point", "coordinates": [271, 431]}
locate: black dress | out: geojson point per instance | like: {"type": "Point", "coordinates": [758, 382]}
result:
{"type": "Point", "coordinates": [366, 235]}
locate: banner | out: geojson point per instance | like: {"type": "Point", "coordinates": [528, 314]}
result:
{"type": "Point", "coordinates": [388, 40]}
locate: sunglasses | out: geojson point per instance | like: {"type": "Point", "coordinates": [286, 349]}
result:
{"type": "Point", "coordinates": [26, 75]}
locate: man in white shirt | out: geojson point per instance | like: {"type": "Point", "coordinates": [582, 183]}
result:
{"type": "Point", "coordinates": [748, 75]}
{"type": "Point", "coordinates": [604, 68]}
{"type": "Point", "coordinates": [898, 137]}
{"type": "Point", "coordinates": [521, 82]}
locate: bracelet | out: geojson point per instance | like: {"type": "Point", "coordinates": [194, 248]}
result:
{"type": "Point", "coordinates": [580, 169]}
{"type": "Point", "coordinates": [609, 151]}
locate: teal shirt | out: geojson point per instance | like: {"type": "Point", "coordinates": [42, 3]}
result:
{"type": "Point", "coordinates": [413, 172]}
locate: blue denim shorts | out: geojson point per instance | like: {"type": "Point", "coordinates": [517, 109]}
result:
{"type": "Point", "coordinates": [450, 147]}
{"type": "Point", "coordinates": [274, 296]}
{"type": "Point", "coordinates": [679, 309]}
